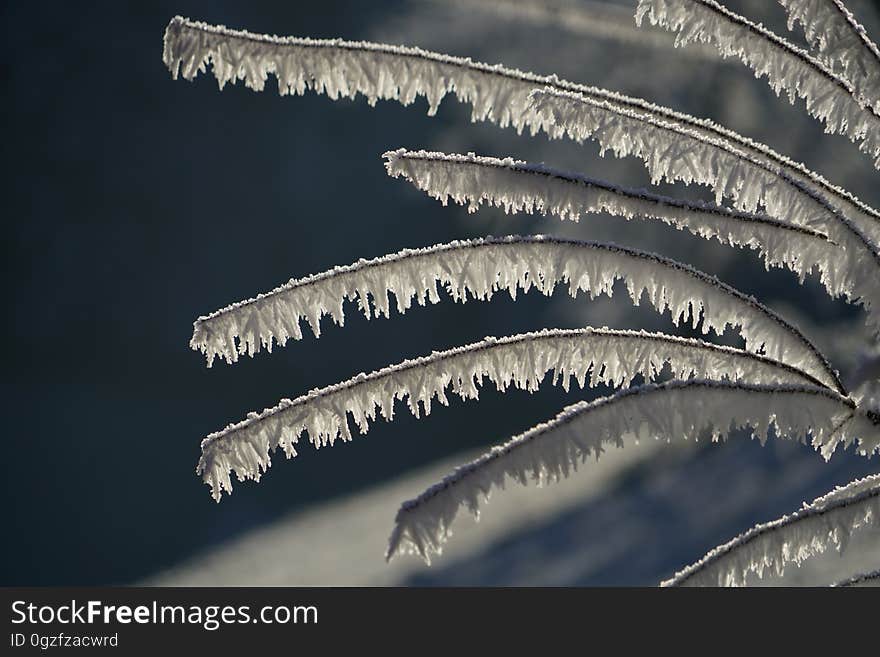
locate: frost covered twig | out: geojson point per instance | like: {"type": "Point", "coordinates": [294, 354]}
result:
{"type": "Point", "coordinates": [787, 68]}
{"type": "Point", "coordinates": [674, 153]}
{"type": "Point", "coordinates": [828, 520]}
{"type": "Point", "coordinates": [779, 385]}
{"type": "Point", "coordinates": [378, 71]}
{"type": "Point", "coordinates": [519, 186]}
{"type": "Point", "coordinates": [481, 268]}
{"type": "Point", "coordinates": [842, 43]}
{"type": "Point", "coordinates": [589, 357]}
{"type": "Point", "coordinates": [669, 411]}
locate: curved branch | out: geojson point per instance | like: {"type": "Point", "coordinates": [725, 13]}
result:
{"type": "Point", "coordinates": [674, 153]}
{"type": "Point", "coordinates": [677, 409]}
{"type": "Point", "coordinates": [348, 68]}
{"type": "Point", "coordinates": [841, 41]}
{"type": "Point", "coordinates": [589, 357]}
{"type": "Point", "coordinates": [518, 186]}
{"type": "Point", "coordinates": [828, 520]}
{"type": "Point", "coordinates": [481, 268]}
{"type": "Point", "coordinates": [787, 68]}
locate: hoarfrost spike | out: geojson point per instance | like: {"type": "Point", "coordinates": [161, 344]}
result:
{"type": "Point", "coordinates": [518, 186]}
{"type": "Point", "coordinates": [786, 67]}
{"type": "Point", "coordinates": [483, 267]}
{"type": "Point", "coordinates": [828, 520]}
{"type": "Point", "coordinates": [669, 411]}
{"type": "Point", "coordinates": [674, 153]}
{"type": "Point", "coordinates": [587, 357]}
{"type": "Point", "coordinates": [378, 71]}
{"type": "Point", "coordinates": [842, 43]}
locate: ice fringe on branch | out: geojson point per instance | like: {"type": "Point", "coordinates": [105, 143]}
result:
{"type": "Point", "coordinates": [345, 69]}
{"type": "Point", "coordinates": [674, 154]}
{"type": "Point", "coordinates": [518, 186]}
{"type": "Point", "coordinates": [587, 357]}
{"type": "Point", "coordinates": [485, 266]}
{"type": "Point", "coordinates": [828, 520]}
{"type": "Point", "coordinates": [786, 67]}
{"type": "Point", "coordinates": [842, 42]}
{"type": "Point", "coordinates": [677, 409]}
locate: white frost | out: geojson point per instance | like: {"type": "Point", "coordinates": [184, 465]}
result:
{"type": "Point", "coordinates": [346, 69]}
{"type": "Point", "coordinates": [828, 520]}
{"type": "Point", "coordinates": [678, 409]}
{"type": "Point", "coordinates": [842, 42]}
{"type": "Point", "coordinates": [787, 68]}
{"type": "Point", "coordinates": [587, 357]}
{"type": "Point", "coordinates": [518, 186]}
{"type": "Point", "coordinates": [674, 153]}
{"type": "Point", "coordinates": [483, 267]}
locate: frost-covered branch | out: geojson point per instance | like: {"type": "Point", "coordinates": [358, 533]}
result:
{"type": "Point", "coordinates": [674, 153]}
{"type": "Point", "coordinates": [481, 268]}
{"type": "Point", "coordinates": [842, 43]}
{"type": "Point", "coordinates": [828, 520]}
{"type": "Point", "coordinates": [346, 69]}
{"type": "Point", "coordinates": [668, 411]}
{"type": "Point", "coordinates": [518, 186]}
{"type": "Point", "coordinates": [588, 357]}
{"type": "Point", "coordinates": [786, 67]}
{"type": "Point", "coordinates": [864, 579]}
{"type": "Point", "coordinates": [379, 71]}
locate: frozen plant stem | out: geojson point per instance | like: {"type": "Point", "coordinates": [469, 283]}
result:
{"type": "Point", "coordinates": [779, 384]}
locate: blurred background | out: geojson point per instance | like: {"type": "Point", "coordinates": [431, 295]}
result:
{"type": "Point", "coordinates": [135, 203]}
